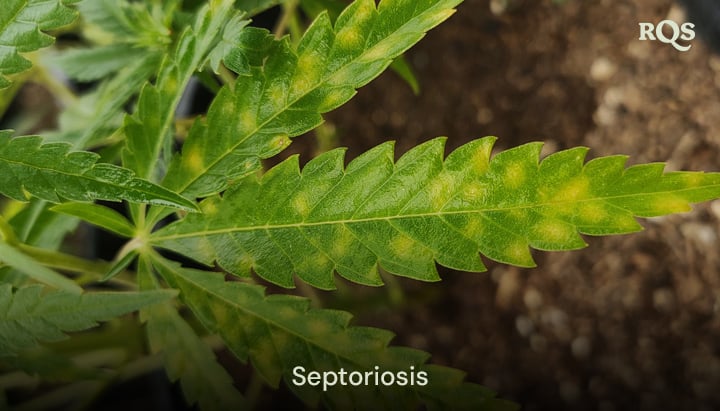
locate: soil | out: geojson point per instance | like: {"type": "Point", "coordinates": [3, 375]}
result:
{"type": "Point", "coordinates": [631, 322]}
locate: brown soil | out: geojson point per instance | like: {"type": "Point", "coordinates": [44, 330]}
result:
{"type": "Point", "coordinates": [630, 322]}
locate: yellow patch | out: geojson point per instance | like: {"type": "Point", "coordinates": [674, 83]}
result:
{"type": "Point", "coordinates": [474, 228]}
{"type": "Point", "coordinates": [517, 252]}
{"type": "Point", "coordinates": [301, 204]}
{"type": "Point", "coordinates": [194, 160]}
{"type": "Point", "coordinates": [342, 243]}
{"type": "Point", "coordinates": [577, 189]}
{"type": "Point", "coordinates": [592, 212]}
{"type": "Point", "coordinates": [349, 38]}
{"type": "Point", "coordinates": [553, 231]}
{"type": "Point", "coordinates": [317, 327]}
{"type": "Point", "coordinates": [402, 245]}
{"type": "Point", "coordinates": [481, 160]}
{"type": "Point", "coordinates": [514, 175]}
{"type": "Point", "coordinates": [247, 120]}
{"type": "Point", "coordinates": [474, 191]}
{"type": "Point", "coordinates": [440, 190]}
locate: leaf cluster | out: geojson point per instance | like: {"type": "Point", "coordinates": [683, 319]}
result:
{"type": "Point", "coordinates": [196, 186]}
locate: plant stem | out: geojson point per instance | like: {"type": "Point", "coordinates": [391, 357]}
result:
{"type": "Point", "coordinates": [7, 232]}
{"type": "Point", "coordinates": [288, 11]}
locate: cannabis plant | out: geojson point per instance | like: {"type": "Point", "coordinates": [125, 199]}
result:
{"type": "Point", "coordinates": [201, 215]}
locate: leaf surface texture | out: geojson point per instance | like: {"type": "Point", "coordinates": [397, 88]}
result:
{"type": "Point", "coordinates": [409, 214]}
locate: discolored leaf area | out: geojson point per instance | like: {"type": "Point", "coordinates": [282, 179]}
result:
{"type": "Point", "coordinates": [277, 333]}
{"type": "Point", "coordinates": [286, 92]}
{"type": "Point", "coordinates": [406, 216]}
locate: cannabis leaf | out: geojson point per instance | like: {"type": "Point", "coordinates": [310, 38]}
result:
{"type": "Point", "coordinates": [287, 95]}
{"type": "Point", "coordinates": [21, 26]}
{"type": "Point", "coordinates": [149, 130]}
{"type": "Point", "coordinates": [27, 315]}
{"type": "Point", "coordinates": [407, 215]}
{"type": "Point", "coordinates": [53, 173]}
{"type": "Point", "coordinates": [186, 357]}
{"type": "Point", "coordinates": [280, 332]}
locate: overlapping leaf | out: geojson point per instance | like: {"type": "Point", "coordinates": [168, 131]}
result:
{"type": "Point", "coordinates": [53, 173]}
{"type": "Point", "coordinates": [22, 23]}
{"type": "Point", "coordinates": [286, 96]}
{"type": "Point", "coordinates": [407, 215]}
{"type": "Point", "coordinates": [280, 332]}
{"type": "Point", "coordinates": [27, 315]}
{"type": "Point", "coordinates": [186, 357]}
{"type": "Point", "coordinates": [149, 130]}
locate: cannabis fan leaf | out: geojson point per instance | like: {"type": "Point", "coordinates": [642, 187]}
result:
{"type": "Point", "coordinates": [404, 216]}
{"type": "Point", "coordinates": [286, 96]}
{"type": "Point", "coordinates": [27, 315]}
{"type": "Point", "coordinates": [280, 332]}
{"type": "Point", "coordinates": [22, 23]}
{"type": "Point", "coordinates": [53, 173]}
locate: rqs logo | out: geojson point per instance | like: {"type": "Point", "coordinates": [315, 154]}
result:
{"type": "Point", "coordinates": [685, 32]}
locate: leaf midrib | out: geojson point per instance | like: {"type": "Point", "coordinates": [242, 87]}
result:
{"type": "Point", "coordinates": [159, 238]}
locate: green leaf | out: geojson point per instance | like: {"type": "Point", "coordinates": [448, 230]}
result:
{"type": "Point", "coordinates": [407, 215]}
{"type": "Point", "coordinates": [88, 64]}
{"type": "Point", "coordinates": [99, 114]}
{"type": "Point", "coordinates": [287, 95]}
{"type": "Point", "coordinates": [27, 315]}
{"type": "Point", "coordinates": [98, 215]}
{"type": "Point", "coordinates": [186, 357]}
{"type": "Point", "coordinates": [280, 332]}
{"type": "Point", "coordinates": [253, 7]}
{"type": "Point", "coordinates": [53, 173]}
{"type": "Point", "coordinates": [149, 130]}
{"type": "Point", "coordinates": [22, 23]}
{"type": "Point", "coordinates": [16, 259]}
{"type": "Point", "coordinates": [401, 67]}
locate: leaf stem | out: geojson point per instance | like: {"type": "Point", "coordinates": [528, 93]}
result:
{"type": "Point", "coordinates": [285, 19]}
{"type": "Point", "coordinates": [7, 232]}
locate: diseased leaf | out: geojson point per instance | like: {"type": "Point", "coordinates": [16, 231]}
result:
{"type": "Point", "coordinates": [27, 315]}
{"type": "Point", "coordinates": [149, 130]}
{"type": "Point", "coordinates": [22, 26]}
{"type": "Point", "coordinates": [98, 215]}
{"type": "Point", "coordinates": [287, 95]}
{"type": "Point", "coordinates": [53, 173]}
{"type": "Point", "coordinates": [186, 357]}
{"type": "Point", "coordinates": [280, 332]}
{"type": "Point", "coordinates": [406, 216]}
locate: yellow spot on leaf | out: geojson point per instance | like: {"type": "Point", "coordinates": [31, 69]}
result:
{"type": "Point", "coordinates": [402, 245]}
{"type": "Point", "coordinates": [301, 204]}
{"type": "Point", "coordinates": [514, 175]}
{"type": "Point", "coordinates": [589, 212]}
{"type": "Point", "coordinates": [576, 189]}
{"type": "Point", "coordinates": [474, 228]}
{"type": "Point", "coordinates": [440, 190]}
{"type": "Point", "coordinates": [553, 231]}
{"type": "Point", "coordinates": [474, 191]}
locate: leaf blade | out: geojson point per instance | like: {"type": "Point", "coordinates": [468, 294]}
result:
{"type": "Point", "coordinates": [53, 173]}
{"type": "Point", "coordinates": [22, 23]}
{"type": "Point", "coordinates": [29, 317]}
{"type": "Point", "coordinates": [294, 87]}
{"type": "Point", "coordinates": [278, 333]}
{"type": "Point", "coordinates": [409, 215]}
